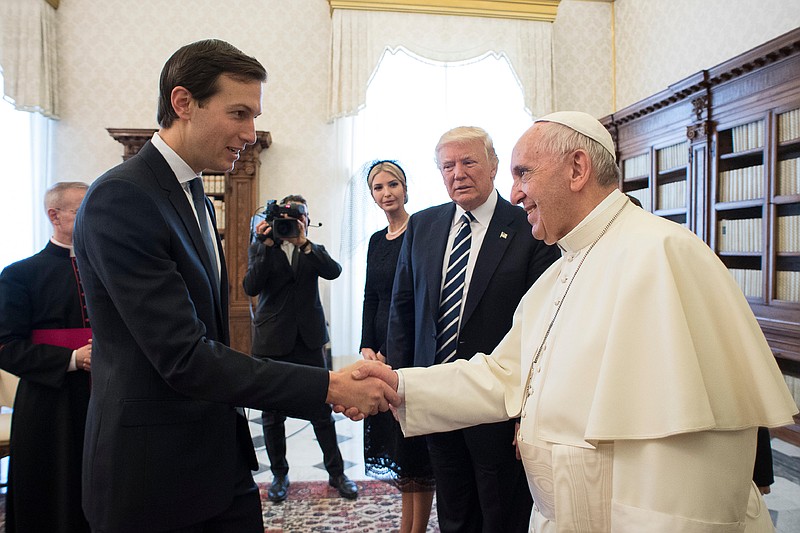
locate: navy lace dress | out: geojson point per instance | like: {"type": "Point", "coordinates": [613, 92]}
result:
{"type": "Point", "coordinates": [387, 454]}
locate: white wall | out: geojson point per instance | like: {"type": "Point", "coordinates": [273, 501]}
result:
{"type": "Point", "coordinates": [660, 42]}
{"type": "Point", "coordinates": [582, 57]}
{"type": "Point", "coordinates": [655, 44]}
{"type": "Point", "coordinates": [111, 54]}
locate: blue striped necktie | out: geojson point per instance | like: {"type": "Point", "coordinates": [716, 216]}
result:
{"type": "Point", "coordinates": [453, 292]}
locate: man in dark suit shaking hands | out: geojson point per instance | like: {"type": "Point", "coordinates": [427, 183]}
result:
{"type": "Point", "coordinates": [289, 325]}
{"type": "Point", "coordinates": [166, 449]}
{"type": "Point", "coordinates": [462, 270]}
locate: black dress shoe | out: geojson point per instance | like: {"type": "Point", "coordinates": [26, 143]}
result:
{"type": "Point", "coordinates": [279, 489]}
{"type": "Point", "coordinates": [346, 487]}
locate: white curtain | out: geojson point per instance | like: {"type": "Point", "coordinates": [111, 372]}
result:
{"type": "Point", "coordinates": [29, 82]}
{"type": "Point", "coordinates": [359, 39]}
{"type": "Point", "coordinates": [25, 140]}
{"type": "Point", "coordinates": [410, 103]}
{"type": "Point", "coordinates": [28, 55]}
{"type": "Point", "coordinates": [41, 139]}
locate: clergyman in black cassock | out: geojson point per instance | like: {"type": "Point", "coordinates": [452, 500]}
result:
{"type": "Point", "coordinates": [42, 322]}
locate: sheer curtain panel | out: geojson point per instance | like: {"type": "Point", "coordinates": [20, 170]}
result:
{"type": "Point", "coordinates": [28, 55]}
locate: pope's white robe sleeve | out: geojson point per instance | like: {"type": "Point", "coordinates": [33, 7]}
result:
{"type": "Point", "coordinates": [465, 393]}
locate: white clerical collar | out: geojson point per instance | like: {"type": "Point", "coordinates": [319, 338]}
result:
{"type": "Point", "coordinates": [62, 245]}
{"type": "Point", "coordinates": [482, 214]}
{"type": "Point", "coordinates": [590, 227]}
{"type": "Point", "coordinates": [179, 167]}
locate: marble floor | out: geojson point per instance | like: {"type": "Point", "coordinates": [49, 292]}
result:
{"type": "Point", "coordinates": [305, 464]}
{"type": "Point", "coordinates": [303, 453]}
{"type": "Point", "coordinates": [784, 499]}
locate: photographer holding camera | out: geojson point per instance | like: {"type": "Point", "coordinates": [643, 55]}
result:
{"type": "Point", "coordinates": [283, 269]}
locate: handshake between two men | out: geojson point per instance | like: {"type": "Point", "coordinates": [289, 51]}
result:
{"type": "Point", "coordinates": [362, 389]}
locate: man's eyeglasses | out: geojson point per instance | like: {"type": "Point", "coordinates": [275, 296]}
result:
{"type": "Point", "coordinates": [73, 211]}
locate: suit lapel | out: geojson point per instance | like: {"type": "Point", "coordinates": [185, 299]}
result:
{"type": "Point", "coordinates": [434, 255]}
{"type": "Point", "coordinates": [177, 198]}
{"type": "Point", "coordinates": [497, 239]}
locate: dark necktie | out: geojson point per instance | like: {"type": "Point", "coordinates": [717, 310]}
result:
{"type": "Point", "coordinates": [295, 258]}
{"type": "Point", "coordinates": [199, 199]}
{"type": "Point", "coordinates": [453, 292]}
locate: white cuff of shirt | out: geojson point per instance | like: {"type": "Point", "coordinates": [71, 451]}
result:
{"type": "Point", "coordinates": [73, 362]}
{"type": "Point", "coordinates": [401, 391]}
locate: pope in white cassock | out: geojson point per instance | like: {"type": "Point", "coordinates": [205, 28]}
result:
{"type": "Point", "coordinates": [635, 363]}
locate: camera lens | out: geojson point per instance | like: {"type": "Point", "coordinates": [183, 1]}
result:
{"type": "Point", "coordinates": [285, 228]}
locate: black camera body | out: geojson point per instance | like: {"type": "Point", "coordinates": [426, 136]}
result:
{"type": "Point", "coordinates": [283, 218]}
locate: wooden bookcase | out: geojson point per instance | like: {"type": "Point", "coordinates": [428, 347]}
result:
{"type": "Point", "coordinates": [235, 196]}
{"type": "Point", "coordinates": [720, 152]}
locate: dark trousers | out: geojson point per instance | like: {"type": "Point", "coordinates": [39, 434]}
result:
{"type": "Point", "coordinates": [274, 428]}
{"type": "Point", "coordinates": [244, 513]}
{"type": "Point", "coordinates": [480, 484]}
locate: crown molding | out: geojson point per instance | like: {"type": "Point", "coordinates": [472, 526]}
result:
{"type": "Point", "coordinates": [542, 10]}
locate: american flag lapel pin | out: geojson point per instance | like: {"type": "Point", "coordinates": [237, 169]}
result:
{"type": "Point", "coordinates": [503, 235]}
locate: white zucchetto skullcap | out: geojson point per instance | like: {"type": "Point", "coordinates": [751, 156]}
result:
{"type": "Point", "coordinates": [583, 123]}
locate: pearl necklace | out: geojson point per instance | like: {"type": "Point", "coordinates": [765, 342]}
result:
{"type": "Point", "coordinates": [398, 231]}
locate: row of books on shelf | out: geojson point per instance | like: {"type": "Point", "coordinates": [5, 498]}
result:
{"type": "Point", "coordinates": [643, 195]}
{"type": "Point", "coordinates": [744, 235]}
{"type": "Point", "coordinates": [789, 125]}
{"type": "Point", "coordinates": [739, 235]}
{"type": "Point", "coordinates": [747, 136]}
{"type": "Point", "coordinates": [750, 281]}
{"type": "Point", "coordinates": [741, 184]}
{"type": "Point", "coordinates": [674, 156]}
{"type": "Point", "coordinates": [636, 167]}
{"type": "Point", "coordinates": [672, 195]}
{"type": "Point", "coordinates": [219, 212]}
{"type": "Point", "coordinates": [789, 176]}
{"type": "Point", "coordinates": [787, 287]}
{"type": "Point", "coordinates": [793, 384]}
{"type": "Point", "coordinates": [214, 183]}
{"type": "Point", "coordinates": [788, 236]}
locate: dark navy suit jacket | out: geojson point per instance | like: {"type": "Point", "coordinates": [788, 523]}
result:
{"type": "Point", "coordinates": [288, 303]}
{"type": "Point", "coordinates": [509, 261]}
{"type": "Point", "coordinates": [163, 436]}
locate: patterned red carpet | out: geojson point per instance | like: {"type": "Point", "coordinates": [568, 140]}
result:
{"type": "Point", "coordinates": [315, 506]}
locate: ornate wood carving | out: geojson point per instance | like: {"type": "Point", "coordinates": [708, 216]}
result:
{"type": "Point", "coordinates": [698, 131]}
{"type": "Point", "coordinates": [132, 140]}
{"type": "Point", "coordinates": [700, 106]}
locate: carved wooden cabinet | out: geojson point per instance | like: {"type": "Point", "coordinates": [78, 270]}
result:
{"type": "Point", "coordinates": [235, 197]}
{"type": "Point", "coordinates": [720, 152]}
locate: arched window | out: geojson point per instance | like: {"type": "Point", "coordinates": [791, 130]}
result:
{"type": "Point", "coordinates": [411, 102]}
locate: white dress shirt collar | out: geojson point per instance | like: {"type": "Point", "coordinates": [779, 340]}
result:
{"type": "Point", "coordinates": [182, 170]}
{"type": "Point", "coordinates": [483, 213]}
